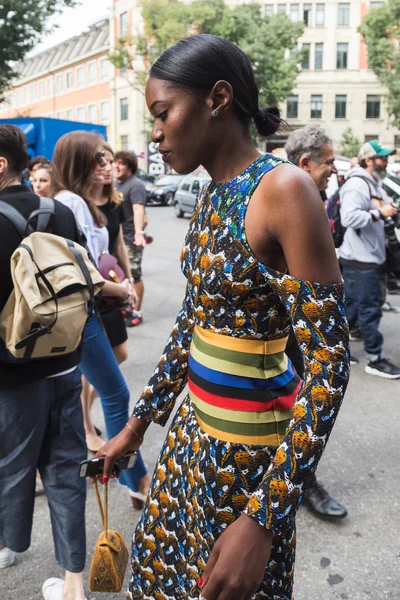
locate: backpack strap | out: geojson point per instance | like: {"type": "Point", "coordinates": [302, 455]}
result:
{"type": "Point", "coordinates": [15, 218]}
{"type": "Point", "coordinates": [367, 181]}
{"type": "Point", "coordinates": [85, 271]}
{"type": "Point", "coordinates": [43, 213]}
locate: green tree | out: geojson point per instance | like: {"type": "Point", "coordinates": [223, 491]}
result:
{"type": "Point", "coordinates": [381, 32]}
{"type": "Point", "coordinates": [22, 25]}
{"type": "Point", "coordinates": [269, 42]}
{"type": "Point", "coordinates": [349, 144]}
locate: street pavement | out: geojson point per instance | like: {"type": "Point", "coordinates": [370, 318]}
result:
{"type": "Point", "coordinates": [354, 559]}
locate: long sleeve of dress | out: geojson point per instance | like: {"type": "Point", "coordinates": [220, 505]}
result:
{"type": "Point", "coordinates": [170, 375]}
{"type": "Point", "coordinates": [318, 317]}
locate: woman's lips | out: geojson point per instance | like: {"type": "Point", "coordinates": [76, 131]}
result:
{"type": "Point", "coordinates": [165, 154]}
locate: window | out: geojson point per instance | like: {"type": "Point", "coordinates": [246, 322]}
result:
{"type": "Point", "coordinates": [316, 107]}
{"type": "Point", "coordinates": [123, 24]}
{"type": "Point", "coordinates": [41, 89]}
{"type": "Point", "coordinates": [307, 11]}
{"type": "Point", "coordinates": [268, 10]}
{"type": "Point", "coordinates": [397, 141]}
{"type": "Point", "coordinates": [92, 113]}
{"type": "Point", "coordinates": [340, 107]}
{"type": "Point", "coordinates": [69, 80]}
{"type": "Point", "coordinates": [342, 51]}
{"type": "Point", "coordinates": [185, 187]}
{"type": "Point", "coordinates": [104, 113]}
{"type": "Point", "coordinates": [92, 73]}
{"type": "Point", "coordinates": [306, 56]}
{"type": "Point", "coordinates": [59, 114]}
{"type": "Point", "coordinates": [369, 138]}
{"type": "Point", "coordinates": [59, 83]}
{"type": "Point", "coordinates": [104, 71]}
{"type": "Point", "coordinates": [124, 142]}
{"type": "Point", "coordinates": [80, 114]}
{"type": "Point", "coordinates": [50, 87]}
{"type": "Point", "coordinates": [80, 76]}
{"type": "Point", "coordinates": [70, 114]}
{"type": "Point", "coordinates": [292, 107]}
{"type": "Point", "coordinates": [319, 56]}
{"type": "Point", "coordinates": [294, 13]}
{"type": "Point", "coordinates": [320, 15]}
{"type": "Point", "coordinates": [124, 112]}
{"type": "Point", "coordinates": [373, 107]}
{"type": "Point", "coordinates": [343, 15]}
{"type": "Point", "coordinates": [282, 8]}
{"type": "Point", "coordinates": [33, 92]}
{"type": "Point", "coordinates": [373, 5]}
{"type": "Point", "coordinates": [195, 186]}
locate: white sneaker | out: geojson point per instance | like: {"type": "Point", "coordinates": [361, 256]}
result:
{"type": "Point", "coordinates": [7, 558]}
{"type": "Point", "coordinates": [53, 588]}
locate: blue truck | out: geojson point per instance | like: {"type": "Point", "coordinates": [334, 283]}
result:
{"type": "Point", "coordinates": [43, 133]}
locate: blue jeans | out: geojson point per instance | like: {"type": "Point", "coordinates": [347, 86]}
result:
{"type": "Point", "coordinates": [101, 369]}
{"type": "Point", "coordinates": [41, 427]}
{"type": "Point", "coordinates": [363, 305]}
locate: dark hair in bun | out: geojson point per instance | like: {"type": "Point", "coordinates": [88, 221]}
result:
{"type": "Point", "coordinates": [267, 120]}
{"type": "Point", "coordinates": [199, 61]}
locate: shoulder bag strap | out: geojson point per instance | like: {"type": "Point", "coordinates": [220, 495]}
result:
{"type": "Point", "coordinates": [103, 512]}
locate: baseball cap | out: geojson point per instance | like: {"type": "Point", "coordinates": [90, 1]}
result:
{"type": "Point", "coordinates": [373, 148]}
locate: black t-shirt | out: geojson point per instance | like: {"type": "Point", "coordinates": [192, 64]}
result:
{"type": "Point", "coordinates": [63, 224]}
{"type": "Point", "coordinates": [115, 217]}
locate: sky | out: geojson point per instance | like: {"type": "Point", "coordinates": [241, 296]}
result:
{"type": "Point", "coordinates": [75, 20]}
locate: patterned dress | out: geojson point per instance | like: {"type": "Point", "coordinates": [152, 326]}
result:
{"type": "Point", "coordinates": [250, 432]}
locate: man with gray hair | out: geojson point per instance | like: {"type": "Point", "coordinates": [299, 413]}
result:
{"type": "Point", "coordinates": [311, 149]}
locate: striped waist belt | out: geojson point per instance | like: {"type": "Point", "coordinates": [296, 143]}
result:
{"type": "Point", "coordinates": [242, 391]}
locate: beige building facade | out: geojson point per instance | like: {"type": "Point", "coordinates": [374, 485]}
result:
{"type": "Point", "coordinates": [74, 80]}
{"type": "Point", "coordinates": [335, 87]}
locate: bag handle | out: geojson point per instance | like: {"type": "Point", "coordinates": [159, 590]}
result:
{"type": "Point", "coordinates": [103, 511]}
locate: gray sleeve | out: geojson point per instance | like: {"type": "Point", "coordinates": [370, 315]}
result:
{"type": "Point", "coordinates": [137, 192]}
{"type": "Point", "coordinates": [355, 205]}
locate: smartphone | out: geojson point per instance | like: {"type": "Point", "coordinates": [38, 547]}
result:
{"type": "Point", "coordinates": [95, 466]}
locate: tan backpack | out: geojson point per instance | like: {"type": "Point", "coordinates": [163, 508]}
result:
{"type": "Point", "coordinates": [55, 285]}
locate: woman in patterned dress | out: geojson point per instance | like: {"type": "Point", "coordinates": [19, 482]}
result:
{"type": "Point", "coordinates": [219, 522]}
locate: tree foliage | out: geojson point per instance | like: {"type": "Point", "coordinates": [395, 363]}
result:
{"type": "Point", "coordinates": [269, 42]}
{"type": "Point", "coordinates": [22, 25]}
{"type": "Point", "coordinates": [381, 32]}
{"type": "Point", "coordinates": [350, 144]}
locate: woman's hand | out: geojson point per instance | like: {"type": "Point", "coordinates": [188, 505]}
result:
{"type": "Point", "coordinates": [236, 567]}
{"type": "Point", "coordinates": [128, 440]}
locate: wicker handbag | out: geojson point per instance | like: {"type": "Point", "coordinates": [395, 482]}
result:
{"type": "Point", "coordinates": [110, 558]}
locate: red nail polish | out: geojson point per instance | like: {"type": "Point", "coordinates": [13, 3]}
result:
{"type": "Point", "coordinates": [105, 479]}
{"type": "Point", "coordinates": [201, 582]}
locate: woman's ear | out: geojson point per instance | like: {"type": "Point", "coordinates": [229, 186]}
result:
{"type": "Point", "coordinates": [220, 97]}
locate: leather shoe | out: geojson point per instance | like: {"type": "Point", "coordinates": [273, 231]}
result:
{"type": "Point", "coordinates": [318, 500]}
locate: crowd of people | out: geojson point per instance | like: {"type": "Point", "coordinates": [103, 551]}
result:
{"type": "Point", "coordinates": [261, 340]}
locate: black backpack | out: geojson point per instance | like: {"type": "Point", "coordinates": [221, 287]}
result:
{"type": "Point", "coordinates": [337, 228]}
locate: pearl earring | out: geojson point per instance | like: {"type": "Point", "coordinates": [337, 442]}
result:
{"type": "Point", "coordinates": [214, 113]}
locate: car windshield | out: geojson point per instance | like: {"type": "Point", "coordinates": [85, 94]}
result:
{"type": "Point", "coordinates": [169, 180]}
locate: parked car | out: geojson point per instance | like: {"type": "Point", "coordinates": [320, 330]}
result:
{"type": "Point", "coordinates": [188, 191]}
{"type": "Point", "coordinates": [148, 180]}
{"type": "Point", "coordinates": [163, 191]}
